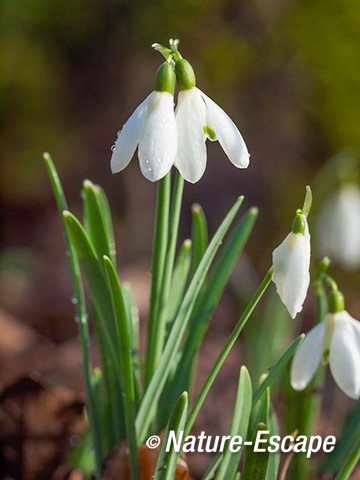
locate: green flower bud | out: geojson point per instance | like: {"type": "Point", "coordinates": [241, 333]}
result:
{"type": "Point", "coordinates": [336, 301]}
{"type": "Point", "coordinates": [298, 225]}
{"type": "Point", "coordinates": [185, 75]}
{"type": "Point", "coordinates": [165, 78]}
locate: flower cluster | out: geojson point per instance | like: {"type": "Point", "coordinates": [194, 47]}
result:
{"type": "Point", "coordinates": [167, 137]}
{"type": "Point", "coordinates": [336, 339]}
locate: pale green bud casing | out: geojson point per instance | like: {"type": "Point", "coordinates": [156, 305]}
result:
{"type": "Point", "coordinates": [165, 78]}
{"type": "Point", "coordinates": [299, 223]}
{"type": "Point", "coordinates": [185, 75]}
{"type": "Point", "coordinates": [336, 301]}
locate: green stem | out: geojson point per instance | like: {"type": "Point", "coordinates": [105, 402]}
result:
{"type": "Point", "coordinates": [81, 314]}
{"type": "Point", "coordinates": [321, 269]}
{"type": "Point", "coordinates": [159, 255]}
{"type": "Point", "coordinates": [331, 282]}
{"type": "Point", "coordinates": [168, 268]}
{"type": "Point", "coordinates": [225, 351]}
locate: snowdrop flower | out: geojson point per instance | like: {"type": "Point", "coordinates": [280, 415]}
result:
{"type": "Point", "coordinates": [199, 118]}
{"type": "Point", "coordinates": [152, 127]}
{"type": "Point", "coordinates": [291, 262]}
{"type": "Point", "coordinates": [338, 228]}
{"type": "Point", "coordinates": [335, 340]}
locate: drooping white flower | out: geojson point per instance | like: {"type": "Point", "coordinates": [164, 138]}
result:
{"type": "Point", "coordinates": [336, 340]}
{"type": "Point", "coordinates": [152, 127]}
{"type": "Point", "coordinates": [199, 118]}
{"type": "Point", "coordinates": [291, 262]}
{"type": "Point", "coordinates": [338, 227]}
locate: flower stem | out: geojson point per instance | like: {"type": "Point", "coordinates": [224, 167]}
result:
{"type": "Point", "coordinates": [159, 256]}
{"type": "Point", "coordinates": [168, 267]}
{"type": "Point", "coordinates": [225, 351]}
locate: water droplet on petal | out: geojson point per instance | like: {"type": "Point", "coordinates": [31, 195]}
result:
{"type": "Point", "coordinates": [118, 133]}
{"type": "Point", "coordinates": [113, 148]}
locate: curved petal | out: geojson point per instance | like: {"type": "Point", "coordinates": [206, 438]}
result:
{"type": "Point", "coordinates": [291, 261]}
{"type": "Point", "coordinates": [307, 357]}
{"type": "Point", "coordinates": [227, 133]}
{"type": "Point", "coordinates": [128, 138]}
{"type": "Point", "coordinates": [344, 356]}
{"type": "Point", "coordinates": [190, 120]}
{"type": "Point", "coordinates": [158, 142]}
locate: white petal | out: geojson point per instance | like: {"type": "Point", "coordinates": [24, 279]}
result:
{"type": "Point", "coordinates": [307, 357]}
{"type": "Point", "coordinates": [227, 133]}
{"type": "Point", "coordinates": [291, 261]}
{"type": "Point", "coordinates": [128, 138]}
{"type": "Point", "coordinates": [338, 227]}
{"type": "Point", "coordinates": [158, 142]}
{"type": "Point", "coordinates": [344, 356]}
{"type": "Point", "coordinates": [190, 120]}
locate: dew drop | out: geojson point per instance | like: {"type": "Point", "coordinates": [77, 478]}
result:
{"type": "Point", "coordinates": [77, 319]}
{"type": "Point", "coordinates": [74, 440]}
{"type": "Point", "coordinates": [74, 300]}
{"type": "Point", "coordinates": [113, 148]}
{"type": "Point", "coordinates": [118, 133]}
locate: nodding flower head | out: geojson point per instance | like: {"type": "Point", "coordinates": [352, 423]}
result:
{"type": "Point", "coordinates": [335, 340]}
{"type": "Point", "coordinates": [152, 128]}
{"type": "Point", "coordinates": [165, 137]}
{"type": "Point", "coordinates": [291, 262]}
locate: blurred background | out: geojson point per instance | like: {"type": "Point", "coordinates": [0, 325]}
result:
{"type": "Point", "coordinates": [286, 71]}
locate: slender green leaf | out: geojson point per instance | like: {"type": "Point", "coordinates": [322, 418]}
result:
{"type": "Point", "coordinates": [106, 215]}
{"type": "Point", "coordinates": [274, 458]}
{"type": "Point", "coordinates": [260, 410]}
{"type": "Point", "coordinates": [95, 223]}
{"type": "Point", "coordinates": [127, 374]}
{"type": "Point", "coordinates": [239, 426]}
{"type": "Point", "coordinates": [180, 276]}
{"type": "Point", "coordinates": [153, 392]}
{"type": "Point", "coordinates": [103, 315]}
{"type": "Point", "coordinates": [350, 462]}
{"type": "Point", "coordinates": [256, 463]}
{"type": "Point", "coordinates": [199, 236]}
{"type": "Point", "coordinates": [276, 369]}
{"type": "Point", "coordinates": [344, 444]}
{"type": "Point", "coordinates": [81, 314]}
{"type": "Point", "coordinates": [225, 351]}
{"type": "Point", "coordinates": [94, 274]}
{"type": "Point", "coordinates": [210, 472]}
{"type": "Point", "coordinates": [132, 314]}
{"type": "Point", "coordinates": [167, 460]}
{"type": "Point", "coordinates": [209, 297]}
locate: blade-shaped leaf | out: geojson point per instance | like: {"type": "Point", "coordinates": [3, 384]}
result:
{"type": "Point", "coordinates": [167, 460]}
{"type": "Point", "coordinates": [199, 235]}
{"type": "Point", "coordinates": [127, 373]}
{"type": "Point", "coordinates": [256, 463]}
{"type": "Point", "coordinates": [239, 426]}
{"type": "Point", "coordinates": [161, 373]}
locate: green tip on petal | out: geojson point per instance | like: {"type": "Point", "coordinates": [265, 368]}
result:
{"type": "Point", "coordinates": [209, 132]}
{"type": "Point", "coordinates": [299, 223]}
{"type": "Point", "coordinates": [185, 75]}
{"type": "Point", "coordinates": [336, 301]}
{"type": "Point", "coordinates": [165, 78]}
